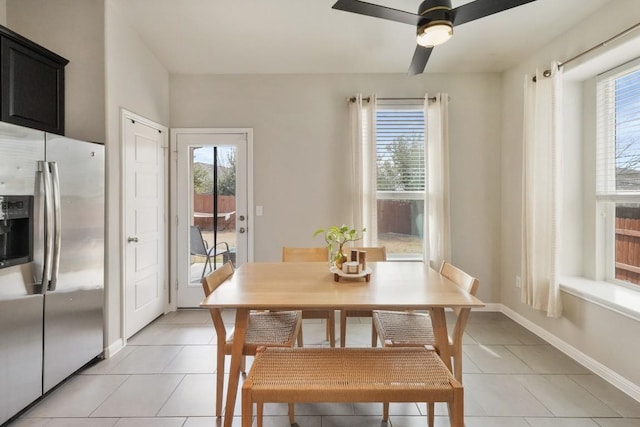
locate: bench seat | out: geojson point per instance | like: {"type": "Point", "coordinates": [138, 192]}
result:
{"type": "Point", "coordinates": [324, 374]}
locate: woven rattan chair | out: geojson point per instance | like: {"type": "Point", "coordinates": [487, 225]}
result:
{"type": "Point", "coordinates": [403, 329]}
{"type": "Point", "coordinates": [319, 254]}
{"type": "Point", "coordinates": [350, 375]}
{"type": "Point", "coordinates": [265, 329]}
{"type": "Point", "coordinates": [408, 329]}
{"type": "Point", "coordinates": [377, 253]}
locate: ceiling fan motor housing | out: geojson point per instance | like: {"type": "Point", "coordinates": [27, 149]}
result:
{"type": "Point", "coordinates": [434, 11]}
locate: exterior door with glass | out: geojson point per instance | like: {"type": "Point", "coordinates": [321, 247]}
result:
{"type": "Point", "coordinates": [211, 206]}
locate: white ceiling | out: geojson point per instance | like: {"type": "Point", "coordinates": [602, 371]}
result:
{"type": "Point", "coordinates": [308, 36]}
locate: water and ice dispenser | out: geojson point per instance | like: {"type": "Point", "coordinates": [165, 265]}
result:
{"type": "Point", "coordinates": [16, 230]}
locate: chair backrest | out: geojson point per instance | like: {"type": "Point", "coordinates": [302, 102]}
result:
{"type": "Point", "coordinates": [374, 253]}
{"type": "Point", "coordinates": [196, 242]}
{"type": "Point", "coordinates": [469, 284]}
{"type": "Point", "coordinates": [459, 277]}
{"type": "Point", "coordinates": [211, 281]}
{"type": "Point", "coordinates": [320, 254]}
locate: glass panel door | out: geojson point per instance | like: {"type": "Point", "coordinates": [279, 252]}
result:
{"type": "Point", "coordinates": [213, 188]}
{"type": "Point", "coordinates": [211, 206]}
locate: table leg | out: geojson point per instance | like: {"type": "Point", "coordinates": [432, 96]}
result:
{"type": "Point", "coordinates": [439, 322]}
{"type": "Point", "coordinates": [242, 320]}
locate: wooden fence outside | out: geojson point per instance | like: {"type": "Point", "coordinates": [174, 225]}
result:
{"type": "Point", "coordinates": [203, 204]}
{"type": "Point", "coordinates": [628, 250]}
{"type": "Point", "coordinates": [398, 217]}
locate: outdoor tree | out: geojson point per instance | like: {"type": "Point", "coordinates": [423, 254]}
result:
{"type": "Point", "coordinates": [227, 175]}
{"type": "Point", "coordinates": [202, 179]}
{"type": "Point", "coordinates": [203, 176]}
{"type": "Point", "coordinates": [400, 165]}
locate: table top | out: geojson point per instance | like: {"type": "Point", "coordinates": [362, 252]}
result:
{"type": "Point", "coordinates": [394, 285]}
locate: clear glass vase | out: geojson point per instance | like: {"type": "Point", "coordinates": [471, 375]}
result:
{"type": "Point", "coordinates": [339, 258]}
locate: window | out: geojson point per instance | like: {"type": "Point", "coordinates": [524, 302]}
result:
{"type": "Point", "coordinates": [618, 170]}
{"type": "Point", "coordinates": [400, 176]}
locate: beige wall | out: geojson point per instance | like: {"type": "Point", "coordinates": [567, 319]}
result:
{"type": "Point", "coordinates": [137, 82]}
{"type": "Point", "coordinates": [597, 332]}
{"type": "Point", "coordinates": [302, 161]}
{"type": "Point", "coordinates": [3, 12]}
{"type": "Point", "coordinates": [73, 29]}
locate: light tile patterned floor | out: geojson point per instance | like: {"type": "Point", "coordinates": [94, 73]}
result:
{"type": "Point", "coordinates": [165, 378]}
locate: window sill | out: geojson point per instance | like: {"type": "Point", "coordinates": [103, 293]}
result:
{"type": "Point", "coordinates": [404, 257]}
{"type": "Point", "coordinates": [622, 300]}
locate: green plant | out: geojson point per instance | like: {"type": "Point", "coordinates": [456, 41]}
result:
{"type": "Point", "coordinates": [336, 237]}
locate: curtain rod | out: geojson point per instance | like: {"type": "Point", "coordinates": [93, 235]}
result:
{"type": "Point", "coordinates": [368, 99]}
{"type": "Point", "coordinates": [547, 73]}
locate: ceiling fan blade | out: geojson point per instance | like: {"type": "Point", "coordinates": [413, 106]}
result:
{"type": "Point", "coordinates": [377, 11]}
{"type": "Point", "coordinates": [481, 8]}
{"type": "Point", "coordinates": [419, 60]}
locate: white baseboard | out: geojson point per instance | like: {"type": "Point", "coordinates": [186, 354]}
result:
{"type": "Point", "coordinates": [113, 349]}
{"type": "Point", "coordinates": [615, 379]}
{"type": "Point", "coordinates": [490, 307]}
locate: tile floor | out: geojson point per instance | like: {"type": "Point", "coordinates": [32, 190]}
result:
{"type": "Point", "coordinates": [165, 378]}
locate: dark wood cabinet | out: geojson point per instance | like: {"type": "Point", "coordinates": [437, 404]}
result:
{"type": "Point", "coordinates": [31, 84]}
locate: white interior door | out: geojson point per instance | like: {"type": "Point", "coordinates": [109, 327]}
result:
{"type": "Point", "coordinates": [145, 229]}
{"type": "Point", "coordinates": [200, 153]}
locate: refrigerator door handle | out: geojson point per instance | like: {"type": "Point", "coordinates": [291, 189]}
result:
{"type": "Point", "coordinates": [57, 225]}
{"type": "Point", "coordinates": [48, 224]}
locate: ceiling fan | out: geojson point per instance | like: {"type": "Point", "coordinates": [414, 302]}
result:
{"type": "Point", "coordinates": [434, 21]}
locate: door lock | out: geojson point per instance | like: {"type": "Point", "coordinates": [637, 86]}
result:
{"type": "Point", "coordinates": [241, 230]}
{"type": "Point", "coordinates": [132, 239]}
{"type": "Point", "coordinates": [241, 217]}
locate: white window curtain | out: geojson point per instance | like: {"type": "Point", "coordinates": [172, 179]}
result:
{"type": "Point", "coordinates": [363, 171]}
{"type": "Point", "coordinates": [363, 141]}
{"type": "Point", "coordinates": [437, 155]}
{"type": "Point", "coordinates": [541, 191]}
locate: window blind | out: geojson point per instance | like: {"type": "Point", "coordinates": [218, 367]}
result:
{"type": "Point", "coordinates": [618, 132]}
{"type": "Point", "coordinates": [400, 162]}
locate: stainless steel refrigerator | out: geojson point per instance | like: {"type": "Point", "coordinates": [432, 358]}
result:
{"type": "Point", "coordinates": [51, 261]}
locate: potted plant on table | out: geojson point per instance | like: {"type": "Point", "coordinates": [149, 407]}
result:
{"type": "Point", "coordinates": [336, 237]}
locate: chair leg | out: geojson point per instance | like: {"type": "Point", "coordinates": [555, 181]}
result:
{"type": "Point", "coordinates": [385, 411]}
{"type": "Point", "coordinates": [374, 335]}
{"type": "Point", "coordinates": [247, 409]}
{"type": "Point", "coordinates": [343, 328]}
{"type": "Point", "coordinates": [457, 362]}
{"type": "Point", "coordinates": [219, 383]}
{"type": "Point", "coordinates": [300, 343]}
{"type": "Point", "coordinates": [243, 365]}
{"type": "Point", "coordinates": [259, 413]}
{"type": "Point", "coordinates": [430, 413]}
{"type": "Point", "coordinates": [292, 414]}
{"type": "Point", "coordinates": [331, 324]}
{"type": "Point", "coordinates": [456, 408]}
{"type": "Point", "coordinates": [207, 261]}
{"type": "Point", "coordinates": [327, 335]}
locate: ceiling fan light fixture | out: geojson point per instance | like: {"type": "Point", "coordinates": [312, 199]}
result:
{"type": "Point", "coordinates": [434, 33]}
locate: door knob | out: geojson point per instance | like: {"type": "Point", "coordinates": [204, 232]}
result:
{"type": "Point", "coordinates": [241, 230]}
{"type": "Point", "coordinates": [241, 217]}
{"type": "Point", "coordinates": [132, 239]}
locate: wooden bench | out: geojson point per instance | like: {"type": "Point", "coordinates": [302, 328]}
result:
{"type": "Point", "coordinates": [303, 374]}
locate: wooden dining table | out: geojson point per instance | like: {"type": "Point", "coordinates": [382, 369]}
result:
{"type": "Point", "coordinates": [393, 285]}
